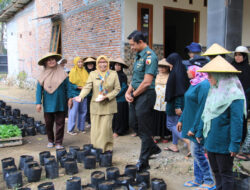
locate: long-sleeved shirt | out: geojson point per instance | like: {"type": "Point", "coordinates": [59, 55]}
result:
{"type": "Point", "coordinates": [176, 103]}
{"type": "Point", "coordinates": [194, 102]}
{"type": "Point", "coordinates": [121, 96]}
{"type": "Point", "coordinates": [73, 90]}
{"type": "Point", "coordinates": [226, 130]}
{"type": "Point", "coordinates": [108, 106]}
{"type": "Point", "coordinates": [56, 101]}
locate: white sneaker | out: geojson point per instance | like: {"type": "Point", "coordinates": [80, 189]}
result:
{"type": "Point", "coordinates": [71, 133]}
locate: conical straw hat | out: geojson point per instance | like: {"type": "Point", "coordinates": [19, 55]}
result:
{"type": "Point", "coordinates": [216, 49]}
{"type": "Point", "coordinates": [164, 62]}
{"type": "Point", "coordinates": [48, 55]}
{"type": "Point", "coordinates": [218, 65]}
{"type": "Point", "coordinates": [89, 60]}
{"type": "Point", "coordinates": [118, 60]}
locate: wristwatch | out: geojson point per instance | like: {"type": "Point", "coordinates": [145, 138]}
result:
{"type": "Point", "coordinates": [132, 95]}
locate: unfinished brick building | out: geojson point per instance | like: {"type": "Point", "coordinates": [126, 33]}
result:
{"type": "Point", "coordinates": [94, 27]}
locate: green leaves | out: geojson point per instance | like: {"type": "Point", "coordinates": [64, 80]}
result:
{"type": "Point", "coordinates": [7, 131]}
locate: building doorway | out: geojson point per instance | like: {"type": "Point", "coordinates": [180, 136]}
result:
{"type": "Point", "coordinates": [181, 27]}
{"type": "Point", "coordinates": [145, 21]}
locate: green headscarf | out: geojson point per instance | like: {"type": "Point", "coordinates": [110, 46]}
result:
{"type": "Point", "coordinates": [227, 89]}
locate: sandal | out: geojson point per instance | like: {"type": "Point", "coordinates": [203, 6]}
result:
{"type": "Point", "coordinates": [50, 145]}
{"type": "Point", "coordinates": [242, 157]}
{"type": "Point", "coordinates": [58, 146]}
{"type": "Point", "coordinates": [191, 184]}
{"type": "Point", "coordinates": [171, 150]}
{"type": "Point", "coordinates": [164, 141]}
{"type": "Point", "coordinates": [188, 155]}
{"type": "Point", "coordinates": [202, 187]}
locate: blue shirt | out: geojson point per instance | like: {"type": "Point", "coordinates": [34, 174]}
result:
{"type": "Point", "coordinates": [146, 62]}
{"type": "Point", "coordinates": [194, 102]}
{"type": "Point", "coordinates": [226, 130]}
{"type": "Point", "coordinates": [55, 102]}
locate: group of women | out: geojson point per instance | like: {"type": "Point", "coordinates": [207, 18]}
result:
{"type": "Point", "coordinates": [96, 97]}
{"type": "Point", "coordinates": [203, 103]}
{"type": "Point", "coordinates": [210, 111]}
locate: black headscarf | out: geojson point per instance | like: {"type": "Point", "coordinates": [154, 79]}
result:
{"type": "Point", "coordinates": [122, 77]}
{"type": "Point", "coordinates": [178, 81]}
{"type": "Point", "coordinates": [89, 70]}
{"type": "Point", "coordinates": [244, 67]}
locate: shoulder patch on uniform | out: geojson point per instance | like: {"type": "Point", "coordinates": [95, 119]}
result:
{"type": "Point", "coordinates": [149, 52]}
{"type": "Point", "coordinates": [148, 61]}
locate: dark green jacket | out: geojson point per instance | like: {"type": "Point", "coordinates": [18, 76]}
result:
{"type": "Point", "coordinates": [53, 102]}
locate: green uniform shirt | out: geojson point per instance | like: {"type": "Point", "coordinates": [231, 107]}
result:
{"type": "Point", "coordinates": [146, 62]}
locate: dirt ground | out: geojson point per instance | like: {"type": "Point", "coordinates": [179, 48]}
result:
{"type": "Point", "coordinates": [172, 167]}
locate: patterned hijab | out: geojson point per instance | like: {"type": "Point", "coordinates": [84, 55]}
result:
{"type": "Point", "coordinates": [78, 76]}
{"type": "Point", "coordinates": [220, 97]}
{"type": "Point", "coordinates": [198, 76]}
{"type": "Point", "coordinates": [103, 75]}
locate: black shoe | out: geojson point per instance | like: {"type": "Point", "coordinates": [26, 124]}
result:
{"type": "Point", "coordinates": [142, 166]}
{"type": "Point", "coordinates": [155, 150]}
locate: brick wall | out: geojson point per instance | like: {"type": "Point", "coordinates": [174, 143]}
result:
{"type": "Point", "coordinates": [94, 30]}
{"type": "Point", "coordinates": [33, 35]}
{"type": "Point", "coordinates": [89, 28]}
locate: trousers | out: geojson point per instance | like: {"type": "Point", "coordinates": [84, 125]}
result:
{"type": "Point", "coordinates": [59, 119]}
{"type": "Point", "coordinates": [202, 170]}
{"type": "Point", "coordinates": [77, 112]}
{"type": "Point", "coordinates": [222, 165]}
{"type": "Point", "coordinates": [141, 115]}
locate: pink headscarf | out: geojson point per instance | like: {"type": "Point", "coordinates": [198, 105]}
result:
{"type": "Point", "coordinates": [198, 76]}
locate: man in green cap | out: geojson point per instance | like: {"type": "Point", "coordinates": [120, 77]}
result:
{"type": "Point", "coordinates": [141, 96]}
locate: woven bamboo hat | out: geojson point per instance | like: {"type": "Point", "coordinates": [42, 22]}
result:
{"type": "Point", "coordinates": [118, 60]}
{"type": "Point", "coordinates": [89, 60]}
{"type": "Point", "coordinates": [49, 55]}
{"type": "Point", "coordinates": [218, 65]}
{"type": "Point", "coordinates": [216, 49]}
{"type": "Point", "coordinates": [62, 61]}
{"type": "Point", "coordinates": [163, 62]}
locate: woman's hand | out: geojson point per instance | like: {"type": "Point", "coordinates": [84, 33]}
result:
{"type": "Point", "coordinates": [79, 87]}
{"type": "Point", "coordinates": [233, 154]}
{"type": "Point", "coordinates": [104, 98]}
{"type": "Point", "coordinates": [77, 98]}
{"type": "Point", "coordinates": [38, 107]}
{"type": "Point", "coordinates": [199, 140]}
{"type": "Point", "coordinates": [70, 103]}
{"type": "Point", "coordinates": [179, 126]}
{"type": "Point", "coordinates": [190, 133]}
{"type": "Point", "coordinates": [178, 111]}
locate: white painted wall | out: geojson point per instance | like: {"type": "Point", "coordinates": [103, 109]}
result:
{"type": "Point", "coordinates": [246, 23]}
{"type": "Point", "coordinates": [13, 65]}
{"type": "Point", "coordinates": [14, 60]}
{"type": "Point", "coordinates": [158, 14]}
{"type": "Point", "coordinates": [130, 20]}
